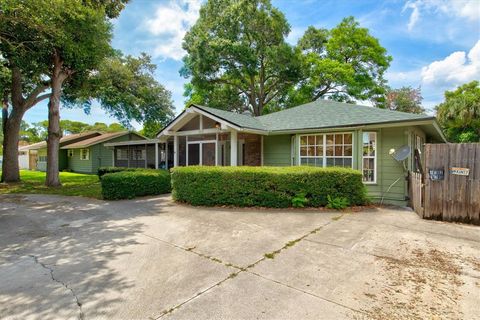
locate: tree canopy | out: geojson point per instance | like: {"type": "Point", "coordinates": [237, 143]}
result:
{"type": "Point", "coordinates": [238, 59]}
{"type": "Point", "coordinates": [459, 114]}
{"type": "Point", "coordinates": [237, 56]}
{"type": "Point", "coordinates": [404, 99]}
{"type": "Point", "coordinates": [345, 63]}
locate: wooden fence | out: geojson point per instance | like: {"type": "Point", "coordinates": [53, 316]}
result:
{"type": "Point", "coordinates": [450, 187]}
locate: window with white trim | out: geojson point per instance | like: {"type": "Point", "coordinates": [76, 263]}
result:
{"type": "Point", "coordinates": [122, 154]}
{"type": "Point", "coordinates": [70, 153]}
{"type": "Point", "coordinates": [326, 150]}
{"type": "Point", "coordinates": [84, 154]}
{"type": "Point", "coordinates": [139, 154]}
{"type": "Point", "coordinates": [369, 157]}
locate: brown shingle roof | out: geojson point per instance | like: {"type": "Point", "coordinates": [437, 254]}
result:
{"type": "Point", "coordinates": [63, 140]}
{"type": "Point", "coordinates": [95, 140]}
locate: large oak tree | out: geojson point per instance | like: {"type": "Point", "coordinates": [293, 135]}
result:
{"type": "Point", "coordinates": [237, 56]}
{"type": "Point", "coordinates": [345, 63]}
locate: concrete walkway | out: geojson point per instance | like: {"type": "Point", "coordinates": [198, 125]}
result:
{"type": "Point", "coordinates": [76, 258]}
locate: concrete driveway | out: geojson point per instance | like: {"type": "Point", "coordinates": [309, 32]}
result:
{"type": "Point", "coordinates": [67, 258]}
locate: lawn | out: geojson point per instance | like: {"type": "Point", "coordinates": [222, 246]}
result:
{"type": "Point", "coordinates": [73, 184]}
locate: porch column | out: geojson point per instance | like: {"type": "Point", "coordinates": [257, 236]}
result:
{"type": "Point", "coordinates": [175, 151]}
{"type": "Point", "coordinates": [233, 148]}
{"type": "Point", "coordinates": [156, 155]}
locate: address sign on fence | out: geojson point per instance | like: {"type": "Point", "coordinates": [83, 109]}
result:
{"type": "Point", "coordinates": [459, 171]}
{"type": "Point", "coordinates": [436, 174]}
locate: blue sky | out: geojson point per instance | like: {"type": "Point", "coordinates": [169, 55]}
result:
{"type": "Point", "coordinates": [435, 44]}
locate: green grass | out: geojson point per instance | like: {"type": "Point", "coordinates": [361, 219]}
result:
{"type": "Point", "coordinates": [73, 184]}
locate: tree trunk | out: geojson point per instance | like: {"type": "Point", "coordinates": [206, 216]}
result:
{"type": "Point", "coordinates": [53, 141]}
{"type": "Point", "coordinates": [10, 167]}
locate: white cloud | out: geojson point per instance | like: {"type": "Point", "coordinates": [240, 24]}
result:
{"type": "Point", "coordinates": [462, 9]}
{"type": "Point", "coordinates": [170, 23]}
{"type": "Point", "coordinates": [458, 68]}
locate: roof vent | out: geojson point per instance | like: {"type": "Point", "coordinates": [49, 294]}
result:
{"type": "Point", "coordinates": [247, 113]}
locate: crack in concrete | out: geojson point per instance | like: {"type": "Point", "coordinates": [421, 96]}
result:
{"type": "Point", "coordinates": [65, 285]}
{"type": "Point", "coordinates": [245, 269]}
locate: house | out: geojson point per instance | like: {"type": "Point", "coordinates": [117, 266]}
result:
{"type": "Point", "coordinates": [83, 152]}
{"type": "Point", "coordinates": [323, 133]}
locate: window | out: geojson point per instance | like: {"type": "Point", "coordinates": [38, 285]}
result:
{"type": "Point", "coordinates": [70, 153]}
{"type": "Point", "coordinates": [369, 157]}
{"type": "Point", "coordinates": [138, 154]}
{"type": "Point", "coordinates": [326, 150]}
{"type": "Point", "coordinates": [122, 154]}
{"type": "Point", "coordinates": [42, 158]}
{"type": "Point", "coordinates": [84, 154]}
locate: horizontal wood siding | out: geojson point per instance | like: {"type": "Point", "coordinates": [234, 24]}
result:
{"type": "Point", "coordinates": [388, 169]}
{"type": "Point", "coordinates": [75, 164]}
{"type": "Point", "coordinates": [276, 150]}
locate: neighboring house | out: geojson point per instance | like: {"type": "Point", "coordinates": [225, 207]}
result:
{"type": "Point", "coordinates": [83, 152]}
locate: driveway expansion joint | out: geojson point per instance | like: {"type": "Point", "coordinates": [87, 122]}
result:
{"type": "Point", "coordinates": [65, 285]}
{"type": "Point", "coordinates": [246, 269]}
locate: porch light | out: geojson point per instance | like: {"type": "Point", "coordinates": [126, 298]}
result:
{"type": "Point", "coordinates": [217, 125]}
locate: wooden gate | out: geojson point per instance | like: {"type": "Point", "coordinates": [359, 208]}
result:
{"type": "Point", "coordinates": [451, 185]}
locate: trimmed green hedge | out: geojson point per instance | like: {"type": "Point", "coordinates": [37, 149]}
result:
{"type": "Point", "coordinates": [104, 170]}
{"type": "Point", "coordinates": [265, 186]}
{"type": "Point", "coordinates": [131, 184]}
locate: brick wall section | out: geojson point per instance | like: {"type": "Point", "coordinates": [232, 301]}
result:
{"type": "Point", "coordinates": [253, 149]}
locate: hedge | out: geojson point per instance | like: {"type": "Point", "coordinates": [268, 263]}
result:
{"type": "Point", "coordinates": [131, 184]}
{"type": "Point", "coordinates": [104, 170]}
{"type": "Point", "coordinates": [265, 186]}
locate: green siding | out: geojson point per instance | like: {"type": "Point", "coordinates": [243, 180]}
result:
{"type": "Point", "coordinates": [41, 165]}
{"type": "Point", "coordinates": [277, 150]}
{"type": "Point", "coordinates": [388, 169]}
{"type": "Point", "coordinates": [62, 160]}
{"type": "Point", "coordinates": [75, 164]}
{"type": "Point", "coordinates": [100, 156]}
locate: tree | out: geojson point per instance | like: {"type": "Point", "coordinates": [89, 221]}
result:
{"type": "Point", "coordinates": [126, 88]}
{"type": "Point", "coordinates": [405, 99]}
{"type": "Point", "coordinates": [343, 64]}
{"type": "Point", "coordinates": [22, 70]}
{"type": "Point", "coordinates": [74, 127]}
{"type": "Point", "coordinates": [237, 56]}
{"type": "Point", "coordinates": [459, 114]}
{"type": "Point", "coordinates": [71, 57]}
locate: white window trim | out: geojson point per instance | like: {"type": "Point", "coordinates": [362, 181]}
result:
{"type": "Point", "coordinates": [143, 155]}
{"type": "Point", "coordinates": [119, 154]}
{"type": "Point", "coordinates": [370, 157]}
{"type": "Point", "coordinates": [88, 154]}
{"type": "Point", "coordinates": [324, 155]}
{"type": "Point", "coordinates": [70, 153]}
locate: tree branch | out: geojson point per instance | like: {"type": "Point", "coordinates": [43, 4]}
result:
{"type": "Point", "coordinates": [33, 97]}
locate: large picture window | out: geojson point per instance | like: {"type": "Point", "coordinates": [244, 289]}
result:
{"type": "Point", "coordinates": [326, 150]}
{"type": "Point", "coordinates": [369, 157]}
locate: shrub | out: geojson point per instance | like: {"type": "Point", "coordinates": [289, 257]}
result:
{"type": "Point", "coordinates": [337, 203]}
{"type": "Point", "coordinates": [265, 186]}
{"type": "Point", "coordinates": [299, 200]}
{"type": "Point", "coordinates": [131, 184]}
{"type": "Point", "coordinates": [104, 170]}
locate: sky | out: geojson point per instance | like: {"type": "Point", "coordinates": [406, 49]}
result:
{"type": "Point", "coordinates": [435, 44]}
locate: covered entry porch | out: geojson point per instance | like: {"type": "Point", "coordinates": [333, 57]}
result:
{"type": "Point", "coordinates": [200, 138]}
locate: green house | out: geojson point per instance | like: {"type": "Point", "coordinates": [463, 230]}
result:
{"type": "Point", "coordinates": [84, 152]}
{"type": "Point", "coordinates": [323, 133]}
